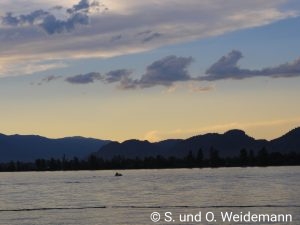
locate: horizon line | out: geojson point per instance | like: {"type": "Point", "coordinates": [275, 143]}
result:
{"type": "Point", "coordinates": [111, 140]}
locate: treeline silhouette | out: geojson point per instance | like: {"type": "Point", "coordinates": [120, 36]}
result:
{"type": "Point", "coordinates": [245, 159]}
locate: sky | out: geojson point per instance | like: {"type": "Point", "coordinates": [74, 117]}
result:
{"type": "Point", "coordinates": [149, 70]}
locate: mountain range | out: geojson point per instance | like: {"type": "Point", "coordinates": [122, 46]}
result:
{"type": "Point", "coordinates": [228, 144]}
{"type": "Point", "coordinates": [27, 148]}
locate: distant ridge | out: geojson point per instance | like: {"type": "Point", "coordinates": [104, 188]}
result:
{"type": "Point", "coordinates": [228, 144]}
{"type": "Point", "coordinates": [290, 141]}
{"type": "Point", "coordinates": [136, 148]}
{"type": "Point", "coordinates": [27, 148]}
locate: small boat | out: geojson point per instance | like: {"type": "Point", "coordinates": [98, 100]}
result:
{"type": "Point", "coordinates": [118, 174]}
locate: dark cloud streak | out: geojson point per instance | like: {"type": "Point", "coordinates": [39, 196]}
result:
{"type": "Point", "coordinates": [166, 71]}
{"type": "Point", "coordinates": [151, 37]}
{"type": "Point", "coordinates": [144, 32]}
{"type": "Point", "coordinates": [117, 75]}
{"type": "Point", "coordinates": [77, 15]}
{"type": "Point", "coordinates": [227, 68]}
{"type": "Point", "coordinates": [171, 69]}
{"type": "Point", "coordinates": [163, 72]}
{"type": "Point", "coordinates": [49, 79]}
{"type": "Point", "coordinates": [116, 38]}
{"type": "Point", "coordinates": [84, 78]}
{"type": "Point", "coordinates": [52, 25]}
{"type": "Point", "coordinates": [83, 5]}
{"type": "Point", "coordinates": [28, 19]}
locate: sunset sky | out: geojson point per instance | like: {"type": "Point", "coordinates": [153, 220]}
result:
{"type": "Point", "coordinates": [149, 69]}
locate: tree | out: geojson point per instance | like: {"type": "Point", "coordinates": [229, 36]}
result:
{"type": "Point", "coordinates": [244, 159]}
{"type": "Point", "coordinates": [92, 162]}
{"type": "Point", "coordinates": [263, 157]}
{"type": "Point", "coordinates": [214, 157]}
{"type": "Point", "coordinates": [12, 166]}
{"type": "Point", "coordinates": [251, 158]}
{"type": "Point", "coordinates": [199, 157]}
{"type": "Point", "coordinates": [190, 159]}
{"type": "Point", "coordinates": [40, 164]}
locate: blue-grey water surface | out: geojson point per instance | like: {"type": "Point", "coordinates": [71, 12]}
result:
{"type": "Point", "coordinates": [98, 197]}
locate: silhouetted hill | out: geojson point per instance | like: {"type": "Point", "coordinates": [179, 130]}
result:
{"type": "Point", "coordinates": [228, 144]}
{"type": "Point", "coordinates": [167, 144]}
{"type": "Point", "coordinates": [135, 148]}
{"type": "Point", "coordinates": [31, 147]}
{"type": "Point", "coordinates": [288, 142]}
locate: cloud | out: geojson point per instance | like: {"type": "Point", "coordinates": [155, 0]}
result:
{"type": "Point", "coordinates": [226, 63]}
{"type": "Point", "coordinates": [190, 86]}
{"type": "Point", "coordinates": [116, 38]}
{"type": "Point", "coordinates": [83, 5]}
{"type": "Point", "coordinates": [113, 76]}
{"type": "Point", "coordinates": [78, 15]}
{"type": "Point", "coordinates": [48, 79]}
{"type": "Point", "coordinates": [172, 89]}
{"type": "Point", "coordinates": [148, 35]}
{"type": "Point", "coordinates": [52, 25]}
{"type": "Point", "coordinates": [151, 37]}
{"type": "Point", "coordinates": [51, 78]}
{"type": "Point", "coordinates": [227, 68]}
{"type": "Point", "coordinates": [127, 84]}
{"type": "Point", "coordinates": [144, 32]}
{"type": "Point", "coordinates": [117, 75]}
{"type": "Point", "coordinates": [165, 72]}
{"type": "Point", "coordinates": [196, 89]}
{"type": "Point", "coordinates": [31, 67]}
{"type": "Point", "coordinates": [172, 69]}
{"type": "Point", "coordinates": [84, 78]}
{"type": "Point", "coordinates": [57, 7]}
{"type": "Point", "coordinates": [28, 19]}
{"type": "Point", "coordinates": [153, 136]}
{"type": "Point", "coordinates": [86, 33]}
{"type": "Point", "coordinates": [284, 70]}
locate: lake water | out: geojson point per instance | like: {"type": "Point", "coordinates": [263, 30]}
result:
{"type": "Point", "coordinates": [98, 197]}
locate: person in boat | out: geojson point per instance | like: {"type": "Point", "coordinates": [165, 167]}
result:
{"type": "Point", "coordinates": [118, 174]}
